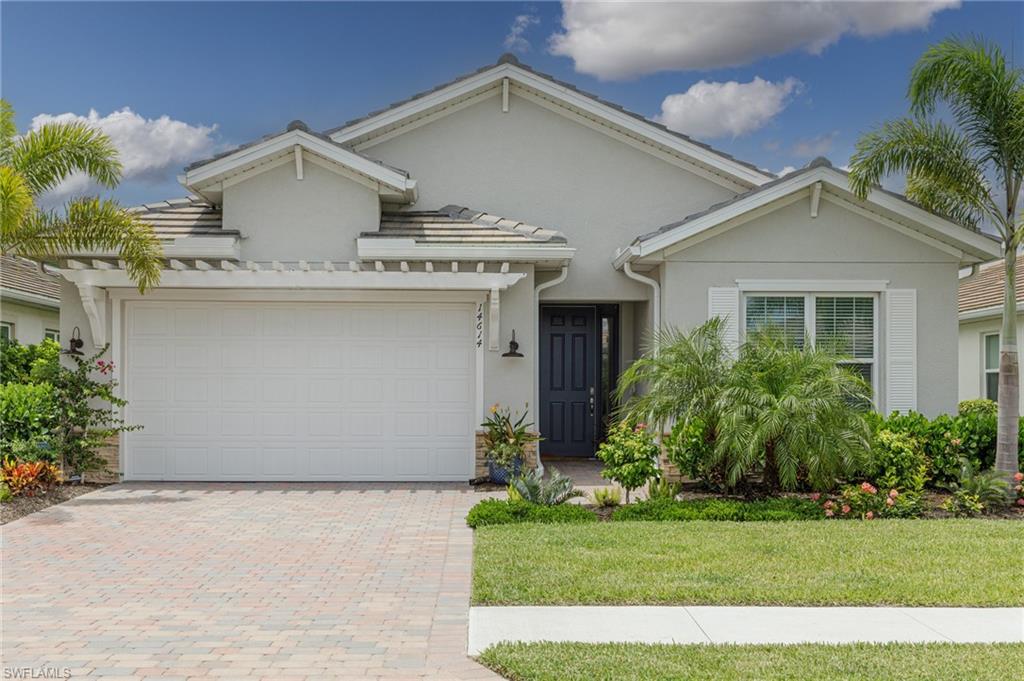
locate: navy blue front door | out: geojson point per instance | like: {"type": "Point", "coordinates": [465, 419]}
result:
{"type": "Point", "coordinates": [568, 380]}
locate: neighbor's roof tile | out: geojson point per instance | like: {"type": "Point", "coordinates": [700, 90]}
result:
{"type": "Point", "coordinates": [984, 289]}
{"type": "Point", "coordinates": [23, 275]}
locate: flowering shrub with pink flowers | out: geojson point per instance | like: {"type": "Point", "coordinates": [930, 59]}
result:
{"type": "Point", "coordinates": [867, 502]}
{"type": "Point", "coordinates": [1018, 487]}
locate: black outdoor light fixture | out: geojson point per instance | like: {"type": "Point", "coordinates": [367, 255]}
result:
{"type": "Point", "coordinates": [75, 344]}
{"type": "Point", "coordinates": [513, 347]}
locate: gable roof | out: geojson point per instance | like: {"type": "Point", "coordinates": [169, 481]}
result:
{"type": "Point", "coordinates": [206, 177]}
{"type": "Point", "coordinates": [889, 208]}
{"type": "Point", "coordinates": [22, 279]}
{"type": "Point", "coordinates": [981, 294]}
{"type": "Point", "coordinates": [567, 95]}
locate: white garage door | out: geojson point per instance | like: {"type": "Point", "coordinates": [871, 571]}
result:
{"type": "Point", "coordinates": [299, 391]}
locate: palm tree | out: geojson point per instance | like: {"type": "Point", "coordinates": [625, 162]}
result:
{"type": "Point", "coordinates": [789, 411]}
{"type": "Point", "coordinates": [970, 170]}
{"type": "Point", "coordinates": [681, 377]}
{"type": "Point", "coordinates": [38, 161]}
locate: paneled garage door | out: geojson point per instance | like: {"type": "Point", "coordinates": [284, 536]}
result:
{"type": "Point", "coordinates": [299, 391]}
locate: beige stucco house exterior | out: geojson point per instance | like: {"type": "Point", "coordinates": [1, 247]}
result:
{"type": "Point", "coordinates": [980, 309]}
{"type": "Point", "coordinates": [29, 302]}
{"type": "Point", "coordinates": [342, 305]}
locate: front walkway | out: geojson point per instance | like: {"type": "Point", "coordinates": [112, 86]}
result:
{"type": "Point", "coordinates": [719, 624]}
{"type": "Point", "coordinates": [243, 581]}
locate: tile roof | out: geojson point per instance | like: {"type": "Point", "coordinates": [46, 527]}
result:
{"type": "Point", "coordinates": [509, 58]}
{"type": "Point", "coordinates": [22, 275]}
{"type": "Point", "coordinates": [176, 218]}
{"type": "Point", "coordinates": [459, 225]}
{"type": "Point", "coordinates": [984, 289]}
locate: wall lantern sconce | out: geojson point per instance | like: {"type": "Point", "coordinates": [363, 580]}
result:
{"type": "Point", "coordinates": [75, 344]}
{"type": "Point", "coordinates": [513, 347]}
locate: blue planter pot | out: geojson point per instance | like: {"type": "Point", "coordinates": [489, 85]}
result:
{"type": "Point", "coordinates": [501, 475]}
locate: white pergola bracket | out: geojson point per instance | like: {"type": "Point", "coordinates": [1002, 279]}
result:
{"type": "Point", "coordinates": [494, 328]}
{"type": "Point", "coordinates": [94, 302]}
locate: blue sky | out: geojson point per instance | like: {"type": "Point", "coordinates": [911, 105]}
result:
{"type": "Point", "coordinates": [226, 73]}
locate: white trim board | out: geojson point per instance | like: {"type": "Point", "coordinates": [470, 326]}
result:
{"type": "Point", "coordinates": [360, 133]}
{"type": "Point", "coordinates": [409, 249]}
{"type": "Point", "coordinates": [814, 285]}
{"type": "Point", "coordinates": [926, 227]}
{"type": "Point", "coordinates": [29, 298]}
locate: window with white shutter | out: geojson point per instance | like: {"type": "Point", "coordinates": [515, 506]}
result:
{"type": "Point", "coordinates": [724, 302]}
{"type": "Point", "coordinates": [846, 325]}
{"type": "Point", "coordinates": [785, 313]}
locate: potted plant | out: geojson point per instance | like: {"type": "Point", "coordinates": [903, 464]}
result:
{"type": "Point", "coordinates": [505, 440]}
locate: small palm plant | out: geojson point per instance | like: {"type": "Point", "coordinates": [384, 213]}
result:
{"type": "Point", "coordinates": [988, 488]}
{"type": "Point", "coordinates": [791, 411]}
{"type": "Point", "coordinates": [532, 487]}
{"type": "Point", "coordinates": [38, 161]}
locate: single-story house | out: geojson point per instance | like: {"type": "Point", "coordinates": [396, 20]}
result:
{"type": "Point", "coordinates": [980, 307]}
{"type": "Point", "coordinates": [347, 305]}
{"type": "Point", "coordinates": [29, 301]}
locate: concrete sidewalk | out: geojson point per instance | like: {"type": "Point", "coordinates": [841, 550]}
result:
{"type": "Point", "coordinates": [713, 624]}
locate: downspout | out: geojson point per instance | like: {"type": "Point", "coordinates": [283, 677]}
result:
{"type": "Point", "coordinates": [536, 349]}
{"type": "Point", "coordinates": [627, 267]}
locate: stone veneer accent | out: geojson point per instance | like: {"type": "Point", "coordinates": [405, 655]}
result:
{"type": "Point", "coordinates": [529, 455]}
{"type": "Point", "coordinates": [110, 454]}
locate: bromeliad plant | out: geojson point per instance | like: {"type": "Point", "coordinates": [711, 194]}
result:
{"type": "Point", "coordinates": [533, 488]}
{"type": "Point", "coordinates": [506, 436]}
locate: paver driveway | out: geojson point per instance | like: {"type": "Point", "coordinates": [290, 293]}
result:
{"type": "Point", "coordinates": [244, 580]}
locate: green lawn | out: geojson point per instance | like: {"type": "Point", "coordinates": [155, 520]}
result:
{"type": "Point", "coordinates": [857, 662]}
{"type": "Point", "coordinates": [890, 562]}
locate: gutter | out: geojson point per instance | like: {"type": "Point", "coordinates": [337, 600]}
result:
{"type": "Point", "coordinates": [29, 298]}
{"type": "Point", "coordinates": [536, 347]}
{"type": "Point", "coordinates": [627, 268]}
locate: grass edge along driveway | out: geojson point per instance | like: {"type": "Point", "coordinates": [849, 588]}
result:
{"type": "Point", "coordinates": [850, 662]}
{"type": "Point", "coordinates": [890, 562]}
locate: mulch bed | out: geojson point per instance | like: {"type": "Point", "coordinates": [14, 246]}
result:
{"type": "Point", "coordinates": [21, 506]}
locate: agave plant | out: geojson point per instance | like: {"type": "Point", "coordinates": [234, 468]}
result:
{"type": "Point", "coordinates": [532, 487]}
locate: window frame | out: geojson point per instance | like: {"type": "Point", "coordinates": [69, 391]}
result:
{"type": "Point", "coordinates": [10, 329]}
{"type": "Point", "coordinates": [810, 324]}
{"type": "Point", "coordinates": [51, 334]}
{"type": "Point", "coordinates": [985, 371]}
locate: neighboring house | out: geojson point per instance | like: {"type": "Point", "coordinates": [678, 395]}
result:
{"type": "Point", "coordinates": [29, 302]}
{"type": "Point", "coordinates": [341, 306]}
{"type": "Point", "coordinates": [980, 307]}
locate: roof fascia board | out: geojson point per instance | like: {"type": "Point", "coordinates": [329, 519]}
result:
{"type": "Point", "coordinates": [224, 247]}
{"type": "Point", "coordinates": [244, 175]}
{"type": "Point", "coordinates": [985, 313]}
{"type": "Point", "coordinates": [29, 298]}
{"type": "Point", "coordinates": [285, 142]}
{"type": "Point", "coordinates": [464, 103]}
{"type": "Point", "coordinates": [976, 244]}
{"type": "Point", "coordinates": [392, 117]}
{"type": "Point", "coordinates": [408, 249]}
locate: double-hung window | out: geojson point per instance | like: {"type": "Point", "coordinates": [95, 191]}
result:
{"type": "Point", "coordinates": [844, 323]}
{"type": "Point", "coordinates": [52, 334]}
{"type": "Point", "coordinates": [7, 331]}
{"type": "Point", "coordinates": [990, 366]}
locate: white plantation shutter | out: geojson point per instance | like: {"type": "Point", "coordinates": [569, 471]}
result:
{"type": "Point", "coordinates": [724, 302]}
{"type": "Point", "coordinates": [900, 350]}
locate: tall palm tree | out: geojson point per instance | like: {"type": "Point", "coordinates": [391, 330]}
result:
{"type": "Point", "coordinates": [971, 170]}
{"type": "Point", "coordinates": [38, 161]}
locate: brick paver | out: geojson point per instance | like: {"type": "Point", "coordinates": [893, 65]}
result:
{"type": "Point", "coordinates": [226, 581]}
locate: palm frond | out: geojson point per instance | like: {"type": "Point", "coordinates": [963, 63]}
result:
{"type": "Point", "coordinates": [47, 156]}
{"type": "Point", "coordinates": [944, 199]}
{"type": "Point", "coordinates": [92, 224]}
{"type": "Point", "coordinates": [15, 204]}
{"type": "Point", "coordinates": [8, 131]}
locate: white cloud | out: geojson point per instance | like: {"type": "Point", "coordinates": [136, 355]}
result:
{"type": "Point", "coordinates": [624, 39]}
{"type": "Point", "coordinates": [515, 40]}
{"type": "Point", "coordinates": [149, 148]}
{"type": "Point", "coordinates": [815, 146]}
{"type": "Point", "coordinates": [785, 171]}
{"type": "Point", "coordinates": [711, 109]}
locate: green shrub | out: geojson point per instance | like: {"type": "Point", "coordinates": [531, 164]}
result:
{"type": "Point", "coordinates": [989, 488]}
{"type": "Point", "coordinates": [501, 512]}
{"type": "Point", "coordinates": [660, 488]}
{"type": "Point", "coordinates": [690, 448]}
{"type": "Point", "coordinates": [629, 455]}
{"type": "Point", "coordinates": [784, 508]}
{"type": "Point", "coordinates": [27, 414]}
{"type": "Point", "coordinates": [864, 501]}
{"type": "Point", "coordinates": [24, 363]}
{"type": "Point", "coordinates": [979, 406]}
{"type": "Point", "coordinates": [964, 505]}
{"type": "Point", "coordinates": [898, 461]}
